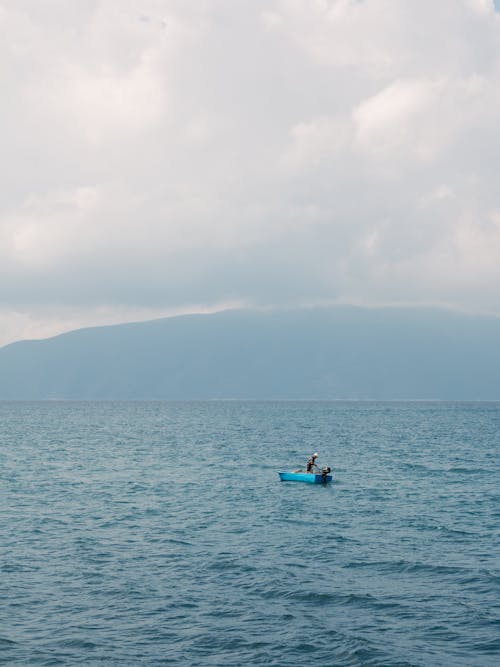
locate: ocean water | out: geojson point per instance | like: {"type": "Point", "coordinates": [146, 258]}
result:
{"type": "Point", "coordinates": [158, 533]}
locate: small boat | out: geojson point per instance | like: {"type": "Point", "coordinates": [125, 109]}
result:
{"type": "Point", "coordinates": [311, 477]}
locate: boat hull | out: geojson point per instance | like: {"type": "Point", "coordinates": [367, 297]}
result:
{"type": "Point", "coordinates": [311, 478]}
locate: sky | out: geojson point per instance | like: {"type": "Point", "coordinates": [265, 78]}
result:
{"type": "Point", "coordinates": [171, 156]}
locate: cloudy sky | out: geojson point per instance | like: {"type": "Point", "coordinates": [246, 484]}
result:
{"type": "Point", "coordinates": [168, 156]}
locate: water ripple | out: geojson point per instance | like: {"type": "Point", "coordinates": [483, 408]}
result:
{"type": "Point", "coordinates": [115, 549]}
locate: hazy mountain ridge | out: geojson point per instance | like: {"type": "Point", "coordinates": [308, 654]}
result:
{"type": "Point", "coordinates": [321, 353]}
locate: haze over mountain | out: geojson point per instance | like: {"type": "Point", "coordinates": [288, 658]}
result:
{"type": "Point", "coordinates": [321, 353]}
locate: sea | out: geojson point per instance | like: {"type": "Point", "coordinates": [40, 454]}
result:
{"type": "Point", "coordinates": [159, 533]}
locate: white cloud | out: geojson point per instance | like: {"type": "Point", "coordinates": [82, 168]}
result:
{"type": "Point", "coordinates": [271, 20]}
{"type": "Point", "coordinates": [393, 115]}
{"type": "Point", "coordinates": [318, 139]}
{"type": "Point", "coordinates": [481, 6]}
{"type": "Point", "coordinates": [179, 155]}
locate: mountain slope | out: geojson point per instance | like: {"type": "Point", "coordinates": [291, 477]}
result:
{"type": "Point", "coordinates": [337, 352]}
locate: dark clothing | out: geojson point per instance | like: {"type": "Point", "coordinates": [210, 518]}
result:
{"type": "Point", "coordinates": [311, 464]}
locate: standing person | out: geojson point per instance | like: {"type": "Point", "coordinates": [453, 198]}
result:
{"type": "Point", "coordinates": [311, 463]}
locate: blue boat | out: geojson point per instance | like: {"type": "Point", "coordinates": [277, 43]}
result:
{"type": "Point", "coordinates": [311, 477]}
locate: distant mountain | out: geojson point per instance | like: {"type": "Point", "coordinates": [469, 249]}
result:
{"type": "Point", "coordinates": [320, 353]}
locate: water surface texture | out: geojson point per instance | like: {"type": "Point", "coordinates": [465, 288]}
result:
{"type": "Point", "coordinates": [158, 533]}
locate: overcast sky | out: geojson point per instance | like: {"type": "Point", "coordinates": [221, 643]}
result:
{"type": "Point", "coordinates": [167, 156]}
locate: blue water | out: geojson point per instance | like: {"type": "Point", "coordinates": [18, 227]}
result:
{"type": "Point", "coordinates": [157, 533]}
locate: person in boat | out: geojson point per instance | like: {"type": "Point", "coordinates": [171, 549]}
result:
{"type": "Point", "coordinates": [311, 463]}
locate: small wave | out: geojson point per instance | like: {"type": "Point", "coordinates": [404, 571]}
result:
{"type": "Point", "coordinates": [77, 643]}
{"type": "Point", "coordinates": [489, 647]}
{"type": "Point", "coordinates": [231, 564]}
{"type": "Point", "coordinates": [315, 597]}
{"type": "Point", "coordinates": [18, 567]}
{"type": "Point", "coordinates": [462, 470]}
{"type": "Point", "coordinates": [408, 567]}
{"type": "Point", "coordinates": [6, 644]}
